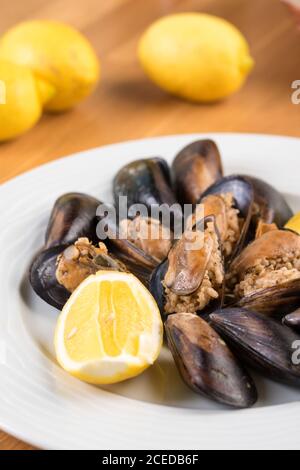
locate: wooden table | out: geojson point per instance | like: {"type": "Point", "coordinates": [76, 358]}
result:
{"type": "Point", "coordinates": [127, 106]}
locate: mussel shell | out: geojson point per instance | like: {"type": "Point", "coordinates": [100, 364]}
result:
{"type": "Point", "coordinates": [156, 286]}
{"type": "Point", "coordinates": [43, 278]}
{"type": "Point", "coordinates": [137, 261]}
{"type": "Point", "coordinates": [274, 301]}
{"type": "Point", "coordinates": [147, 182]}
{"type": "Point", "coordinates": [206, 364]}
{"type": "Point", "coordinates": [196, 167]}
{"type": "Point", "coordinates": [243, 195]}
{"type": "Point", "coordinates": [273, 208]}
{"type": "Point", "coordinates": [271, 245]}
{"type": "Point", "coordinates": [73, 216]}
{"type": "Point", "coordinates": [282, 298]}
{"type": "Point", "coordinates": [240, 189]}
{"type": "Point", "coordinates": [260, 342]}
{"type": "Point", "coordinates": [293, 319]}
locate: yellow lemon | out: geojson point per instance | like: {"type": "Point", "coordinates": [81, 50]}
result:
{"type": "Point", "coordinates": [56, 53]}
{"type": "Point", "coordinates": [21, 100]}
{"type": "Point", "coordinates": [195, 56]}
{"type": "Point", "coordinates": [294, 223]}
{"type": "Point", "coordinates": [109, 330]}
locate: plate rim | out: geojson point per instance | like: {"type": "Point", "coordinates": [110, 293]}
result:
{"type": "Point", "coordinates": [80, 153]}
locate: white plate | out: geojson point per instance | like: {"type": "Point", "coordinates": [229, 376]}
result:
{"type": "Point", "coordinates": [41, 404]}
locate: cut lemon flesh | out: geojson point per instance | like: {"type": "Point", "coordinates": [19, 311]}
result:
{"type": "Point", "coordinates": [109, 330]}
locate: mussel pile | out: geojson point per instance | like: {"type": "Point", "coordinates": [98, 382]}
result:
{"type": "Point", "coordinates": [228, 286]}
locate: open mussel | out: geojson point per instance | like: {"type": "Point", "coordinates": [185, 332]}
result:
{"type": "Point", "coordinates": [69, 255]}
{"type": "Point", "coordinates": [195, 168]}
{"type": "Point", "coordinates": [73, 216]}
{"type": "Point", "coordinates": [135, 242]}
{"type": "Point", "coordinates": [148, 235]}
{"type": "Point", "coordinates": [57, 271]}
{"type": "Point", "coordinates": [80, 260]}
{"type": "Point", "coordinates": [265, 277]}
{"type": "Point", "coordinates": [260, 342]}
{"type": "Point", "coordinates": [269, 204]}
{"type": "Point", "coordinates": [293, 319]}
{"type": "Point", "coordinates": [230, 201]}
{"type": "Point", "coordinates": [206, 364]}
{"type": "Point", "coordinates": [151, 210]}
{"type": "Point", "coordinates": [191, 278]}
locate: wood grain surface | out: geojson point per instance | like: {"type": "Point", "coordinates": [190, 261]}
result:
{"type": "Point", "coordinates": [127, 106]}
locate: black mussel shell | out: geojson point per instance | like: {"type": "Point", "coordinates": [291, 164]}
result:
{"type": "Point", "coordinates": [293, 319]}
{"type": "Point", "coordinates": [271, 205]}
{"type": "Point", "coordinates": [147, 182]}
{"type": "Point", "coordinates": [240, 189]}
{"type": "Point", "coordinates": [73, 216]}
{"type": "Point", "coordinates": [274, 301]}
{"type": "Point", "coordinates": [156, 286]}
{"type": "Point", "coordinates": [206, 364]}
{"type": "Point", "coordinates": [137, 261]}
{"type": "Point", "coordinates": [43, 278]}
{"type": "Point", "coordinates": [195, 168]}
{"type": "Point", "coordinates": [260, 342]}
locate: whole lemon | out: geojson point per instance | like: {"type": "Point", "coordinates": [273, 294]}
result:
{"type": "Point", "coordinates": [195, 56]}
{"type": "Point", "coordinates": [56, 53]}
{"type": "Point", "coordinates": [21, 100]}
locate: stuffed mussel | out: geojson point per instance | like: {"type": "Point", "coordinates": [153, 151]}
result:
{"type": "Point", "coordinates": [69, 255]}
{"type": "Point", "coordinates": [191, 278]}
{"type": "Point", "coordinates": [265, 277]}
{"type": "Point", "coordinates": [151, 210]}
{"type": "Point", "coordinates": [230, 200]}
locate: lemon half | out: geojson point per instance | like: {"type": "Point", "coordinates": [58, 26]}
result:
{"type": "Point", "coordinates": [109, 330]}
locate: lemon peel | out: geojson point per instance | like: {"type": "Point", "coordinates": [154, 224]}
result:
{"type": "Point", "coordinates": [58, 66]}
{"type": "Point", "coordinates": [195, 56]}
{"type": "Point", "coordinates": [22, 108]}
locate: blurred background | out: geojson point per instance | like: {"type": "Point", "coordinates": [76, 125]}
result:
{"type": "Point", "coordinates": [126, 105]}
